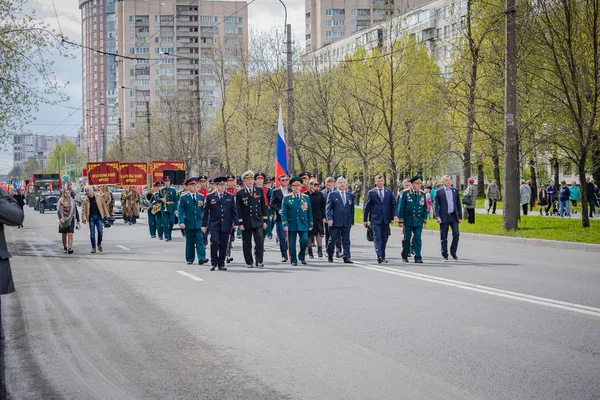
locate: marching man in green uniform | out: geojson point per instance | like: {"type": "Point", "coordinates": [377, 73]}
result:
{"type": "Point", "coordinates": [189, 213]}
{"type": "Point", "coordinates": [168, 196]}
{"type": "Point", "coordinates": [296, 217]}
{"type": "Point", "coordinates": [412, 216]}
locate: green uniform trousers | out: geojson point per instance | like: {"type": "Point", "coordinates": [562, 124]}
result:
{"type": "Point", "coordinates": [413, 232]}
{"type": "Point", "coordinates": [194, 239]}
{"type": "Point", "coordinates": [303, 236]}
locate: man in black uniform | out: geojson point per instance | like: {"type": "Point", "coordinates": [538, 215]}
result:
{"type": "Point", "coordinates": [276, 200]}
{"type": "Point", "coordinates": [220, 216]}
{"type": "Point", "coordinates": [252, 214]}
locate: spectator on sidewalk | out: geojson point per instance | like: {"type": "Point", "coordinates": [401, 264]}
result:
{"type": "Point", "coordinates": [11, 214]}
{"type": "Point", "coordinates": [551, 193]}
{"type": "Point", "coordinates": [575, 194]}
{"type": "Point", "coordinates": [563, 197]}
{"type": "Point", "coordinates": [471, 194]}
{"type": "Point", "coordinates": [591, 195]}
{"type": "Point", "coordinates": [531, 197]}
{"type": "Point", "coordinates": [493, 195]}
{"type": "Point", "coordinates": [542, 199]}
{"type": "Point", "coordinates": [525, 193]}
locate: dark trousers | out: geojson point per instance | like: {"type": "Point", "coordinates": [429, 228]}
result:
{"type": "Point", "coordinates": [247, 235]}
{"type": "Point", "coordinates": [155, 223]}
{"type": "Point", "coordinates": [412, 235]}
{"type": "Point", "coordinates": [168, 222]}
{"type": "Point", "coordinates": [451, 222]}
{"type": "Point", "coordinates": [218, 247]}
{"type": "Point", "coordinates": [381, 233]}
{"type": "Point", "coordinates": [338, 242]}
{"type": "Point", "coordinates": [334, 234]}
{"type": "Point", "coordinates": [194, 240]}
{"type": "Point", "coordinates": [493, 205]}
{"type": "Point", "coordinates": [592, 204]}
{"type": "Point", "coordinates": [301, 255]}
{"type": "Point", "coordinates": [283, 247]}
{"type": "Point", "coordinates": [470, 215]}
{"type": "Point", "coordinates": [525, 208]}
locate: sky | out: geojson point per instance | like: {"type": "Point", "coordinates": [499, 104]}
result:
{"type": "Point", "coordinates": [263, 15]}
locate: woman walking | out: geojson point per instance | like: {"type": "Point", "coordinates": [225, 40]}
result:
{"type": "Point", "coordinates": [525, 194]}
{"type": "Point", "coordinates": [469, 199]}
{"type": "Point", "coordinates": [67, 214]}
{"type": "Point", "coordinates": [317, 204]}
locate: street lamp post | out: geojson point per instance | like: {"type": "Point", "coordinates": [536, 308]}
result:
{"type": "Point", "coordinates": [290, 93]}
{"type": "Point", "coordinates": [149, 128]}
{"type": "Point", "coordinates": [120, 132]}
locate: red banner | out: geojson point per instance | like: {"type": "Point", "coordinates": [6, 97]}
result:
{"type": "Point", "coordinates": [159, 166]}
{"type": "Point", "coordinates": [103, 173]}
{"type": "Point", "coordinates": [134, 173]}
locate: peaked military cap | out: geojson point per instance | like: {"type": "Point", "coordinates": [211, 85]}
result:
{"type": "Point", "coordinates": [203, 177]}
{"type": "Point", "coordinates": [256, 175]}
{"type": "Point", "coordinates": [295, 179]}
{"type": "Point", "coordinates": [248, 174]}
{"type": "Point", "coordinates": [189, 181]}
{"type": "Point", "coordinates": [416, 179]}
{"type": "Point", "coordinates": [220, 179]}
{"type": "Point", "coordinates": [303, 174]}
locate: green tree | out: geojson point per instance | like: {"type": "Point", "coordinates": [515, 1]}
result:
{"type": "Point", "coordinates": [26, 77]}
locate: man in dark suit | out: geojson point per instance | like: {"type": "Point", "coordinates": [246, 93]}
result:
{"type": "Point", "coordinates": [189, 215]}
{"type": "Point", "coordinates": [252, 214]}
{"type": "Point", "coordinates": [448, 213]}
{"type": "Point", "coordinates": [276, 199]}
{"type": "Point", "coordinates": [330, 187]}
{"type": "Point", "coordinates": [339, 212]}
{"type": "Point", "coordinates": [380, 210]}
{"type": "Point", "coordinates": [220, 218]}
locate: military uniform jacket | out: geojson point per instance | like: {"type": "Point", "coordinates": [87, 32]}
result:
{"type": "Point", "coordinates": [252, 208]}
{"type": "Point", "coordinates": [219, 215]}
{"type": "Point", "coordinates": [412, 207]}
{"type": "Point", "coordinates": [189, 212]}
{"type": "Point", "coordinates": [171, 199]}
{"type": "Point", "coordinates": [296, 213]}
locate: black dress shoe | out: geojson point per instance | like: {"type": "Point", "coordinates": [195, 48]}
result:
{"type": "Point", "coordinates": [379, 260]}
{"type": "Point", "coordinates": [385, 261]}
{"type": "Point", "coordinates": [260, 265]}
{"type": "Point", "coordinates": [229, 259]}
{"type": "Point", "coordinates": [329, 259]}
{"type": "Point", "coordinates": [200, 262]}
{"type": "Point", "coordinates": [250, 266]}
{"type": "Point", "coordinates": [284, 260]}
{"type": "Point", "coordinates": [213, 267]}
{"type": "Point", "coordinates": [348, 261]}
{"type": "Point", "coordinates": [338, 254]}
{"type": "Point", "coordinates": [404, 259]}
{"type": "Point", "coordinates": [190, 263]}
{"type": "Point", "coordinates": [419, 261]}
{"type": "Point", "coordinates": [455, 257]}
{"type": "Point", "coordinates": [222, 268]}
{"type": "Point", "coordinates": [303, 262]}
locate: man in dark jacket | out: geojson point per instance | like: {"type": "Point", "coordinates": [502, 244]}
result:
{"type": "Point", "coordinates": [277, 196]}
{"type": "Point", "coordinates": [339, 212]}
{"type": "Point", "coordinates": [252, 214]}
{"type": "Point", "coordinates": [20, 198]}
{"type": "Point", "coordinates": [10, 214]}
{"type": "Point", "coordinates": [380, 210]}
{"type": "Point", "coordinates": [448, 213]}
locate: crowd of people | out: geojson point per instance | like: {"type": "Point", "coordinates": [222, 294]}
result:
{"type": "Point", "coordinates": [300, 210]}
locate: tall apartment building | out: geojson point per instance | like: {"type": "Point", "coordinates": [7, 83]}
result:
{"type": "Point", "coordinates": [27, 145]}
{"type": "Point", "coordinates": [99, 111]}
{"type": "Point", "coordinates": [328, 21]}
{"type": "Point", "coordinates": [436, 23]}
{"type": "Point", "coordinates": [175, 43]}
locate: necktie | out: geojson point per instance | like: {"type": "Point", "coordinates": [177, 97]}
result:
{"type": "Point", "coordinates": [220, 196]}
{"type": "Point", "coordinates": [381, 195]}
{"type": "Point", "coordinates": [194, 198]}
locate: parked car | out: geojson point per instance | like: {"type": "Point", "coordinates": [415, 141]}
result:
{"type": "Point", "coordinates": [117, 209]}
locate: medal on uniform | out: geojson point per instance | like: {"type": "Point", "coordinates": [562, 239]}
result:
{"type": "Point", "coordinates": [304, 206]}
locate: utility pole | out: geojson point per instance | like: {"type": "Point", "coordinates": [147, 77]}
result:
{"type": "Point", "coordinates": [290, 100]}
{"type": "Point", "coordinates": [198, 123]}
{"type": "Point", "coordinates": [120, 140]}
{"type": "Point", "coordinates": [149, 140]}
{"type": "Point", "coordinates": [511, 150]}
{"type": "Point", "coordinates": [96, 144]}
{"type": "Point", "coordinates": [103, 145]}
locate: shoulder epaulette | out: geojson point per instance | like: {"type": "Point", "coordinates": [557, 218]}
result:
{"type": "Point", "coordinates": [289, 194]}
{"type": "Point", "coordinates": [405, 190]}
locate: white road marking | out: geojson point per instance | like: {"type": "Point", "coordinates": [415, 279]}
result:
{"type": "Point", "coordinates": [192, 277]}
{"type": "Point", "coordinates": [543, 301]}
{"type": "Point", "coordinates": [123, 247]}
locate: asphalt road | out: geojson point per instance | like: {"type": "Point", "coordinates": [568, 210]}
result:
{"type": "Point", "coordinates": [509, 321]}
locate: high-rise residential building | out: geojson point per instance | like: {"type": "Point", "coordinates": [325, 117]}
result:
{"type": "Point", "coordinates": [27, 145]}
{"type": "Point", "coordinates": [327, 21]}
{"type": "Point", "coordinates": [176, 44]}
{"type": "Point", "coordinates": [99, 111]}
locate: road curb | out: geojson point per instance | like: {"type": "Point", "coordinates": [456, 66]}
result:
{"type": "Point", "coordinates": [519, 240]}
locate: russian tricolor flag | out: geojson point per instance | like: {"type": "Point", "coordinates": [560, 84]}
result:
{"type": "Point", "coordinates": [281, 153]}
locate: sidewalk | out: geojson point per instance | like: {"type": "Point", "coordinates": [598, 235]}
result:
{"type": "Point", "coordinates": [534, 213]}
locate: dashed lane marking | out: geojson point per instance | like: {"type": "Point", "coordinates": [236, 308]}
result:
{"type": "Point", "coordinates": [192, 277]}
{"type": "Point", "coordinates": [123, 247]}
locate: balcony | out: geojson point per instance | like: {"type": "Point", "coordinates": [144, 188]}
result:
{"type": "Point", "coordinates": [187, 23]}
{"type": "Point", "coordinates": [187, 12]}
{"type": "Point", "coordinates": [186, 33]}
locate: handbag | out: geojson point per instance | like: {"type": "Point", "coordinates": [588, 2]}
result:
{"type": "Point", "coordinates": [370, 237]}
{"type": "Point", "coordinates": [486, 204]}
{"type": "Point", "coordinates": [467, 201]}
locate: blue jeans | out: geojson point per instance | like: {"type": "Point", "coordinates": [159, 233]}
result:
{"type": "Point", "coordinates": [282, 239]}
{"type": "Point", "coordinates": [564, 204]}
{"type": "Point", "coordinates": [96, 223]}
